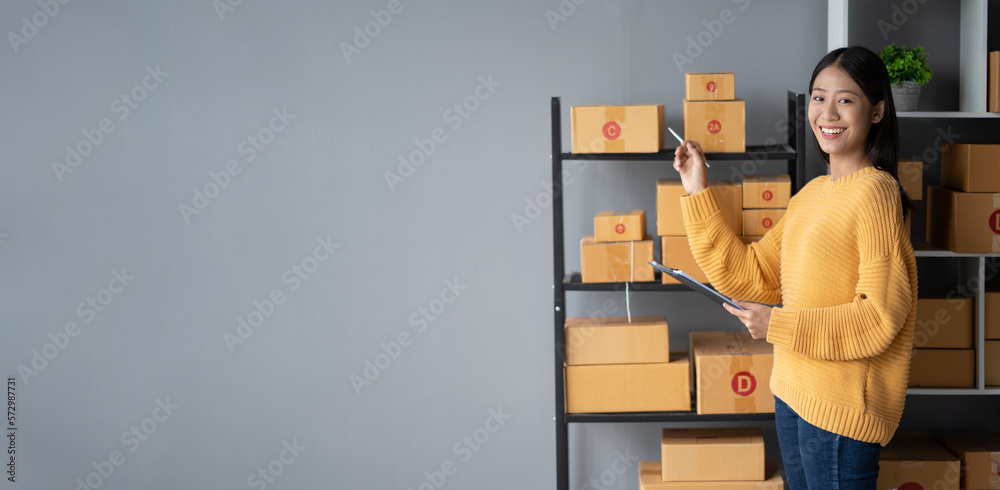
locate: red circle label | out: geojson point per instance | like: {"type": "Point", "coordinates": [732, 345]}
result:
{"type": "Point", "coordinates": [714, 126]}
{"type": "Point", "coordinates": [710, 87]}
{"type": "Point", "coordinates": [767, 223]}
{"type": "Point", "coordinates": [620, 228]}
{"type": "Point", "coordinates": [995, 226]}
{"type": "Point", "coordinates": [767, 195]}
{"type": "Point", "coordinates": [911, 486]}
{"type": "Point", "coordinates": [612, 130]}
{"type": "Point", "coordinates": [744, 383]}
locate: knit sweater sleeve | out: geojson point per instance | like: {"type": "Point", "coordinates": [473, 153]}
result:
{"type": "Point", "coordinates": [746, 272]}
{"type": "Point", "coordinates": [867, 325]}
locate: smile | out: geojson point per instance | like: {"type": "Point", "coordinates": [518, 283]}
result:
{"type": "Point", "coordinates": [832, 130]}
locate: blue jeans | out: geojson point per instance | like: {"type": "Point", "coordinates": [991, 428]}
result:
{"type": "Point", "coordinates": [817, 459]}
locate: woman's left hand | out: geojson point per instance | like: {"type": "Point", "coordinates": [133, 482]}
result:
{"type": "Point", "coordinates": [755, 317]}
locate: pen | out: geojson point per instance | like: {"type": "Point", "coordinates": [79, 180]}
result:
{"type": "Point", "coordinates": [682, 142]}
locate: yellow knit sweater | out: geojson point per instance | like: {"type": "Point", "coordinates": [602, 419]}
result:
{"type": "Point", "coordinates": [842, 266]}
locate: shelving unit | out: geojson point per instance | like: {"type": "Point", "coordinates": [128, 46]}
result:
{"type": "Point", "coordinates": [793, 153]}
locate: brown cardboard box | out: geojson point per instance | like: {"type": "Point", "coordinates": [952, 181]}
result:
{"type": "Point", "coordinates": [766, 191]}
{"type": "Point", "coordinates": [710, 86]}
{"type": "Point", "coordinates": [993, 81]}
{"type": "Point", "coordinates": [992, 362]}
{"type": "Point", "coordinates": [971, 168]}
{"type": "Point", "coordinates": [747, 240]}
{"type": "Point", "coordinates": [616, 261]}
{"type": "Point", "coordinates": [760, 221]}
{"type": "Point", "coordinates": [732, 372]}
{"type": "Point", "coordinates": [670, 220]}
{"type": "Point", "coordinates": [963, 222]}
{"type": "Point", "coordinates": [992, 320]}
{"type": "Point", "coordinates": [650, 478]}
{"type": "Point", "coordinates": [914, 457]}
{"type": "Point", "coordinates": [676, 253]}
{"type": "Point", "coordinates": [712, 454]}
{"type": "Point", "coordinates": [911, 176]}
{"type": "Point", "coordinates": [655, 387]}
{"type": "Point", "coordinates": [719, 125]}
{"type": "Point", "coordinates": [616, 341]}
{"type": "Point", "coordinates": [980, 456]}
{"type": "Point", "coordinates": [617, 129]}
{"type": "Point", "coordinates": [620, 226]}
{"type": "Point", "coordinates": [943, 323]}
{"type": "Point", "coordinates": [947, 368]}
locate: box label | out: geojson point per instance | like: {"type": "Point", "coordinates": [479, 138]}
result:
{"type": "Point", "coordinates": [767, 195]}
{"type": "Point", "coordinates": [995, 222]}
{"type": "Point", "coordinates": [710, 86]}
{"type": "Point", "coordinates": [714, 126]}
{"type": "Point", "coordinates": [612, 131]}
{"type": "Point", "coordinates": [744, 383]}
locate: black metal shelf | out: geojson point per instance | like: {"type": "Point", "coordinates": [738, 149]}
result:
{"type": "Point", "coordinates": [758, 152]}
{"type": "Point", "coordinates": [793, 153]}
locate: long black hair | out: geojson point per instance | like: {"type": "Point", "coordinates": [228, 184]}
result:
{"type": "Point", "coordinates": [869, 72]}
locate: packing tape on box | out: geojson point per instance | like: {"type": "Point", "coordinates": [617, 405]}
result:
{"type": "Point", "coordinates": [739, 363]}
{"type": "Point", "coordinates": [614, 114]}
{"type": "Point", "coordinates": [631, 263]}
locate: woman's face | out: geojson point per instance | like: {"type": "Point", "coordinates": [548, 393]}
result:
{"type": "Point", "coordinates": [840, 114]}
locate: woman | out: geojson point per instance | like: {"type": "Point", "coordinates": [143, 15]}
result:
{"type": "Point", "coordinates": [841, 265]}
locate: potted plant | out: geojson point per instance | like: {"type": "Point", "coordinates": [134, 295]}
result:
{"type": "Point", "coordinates": [908, 70]}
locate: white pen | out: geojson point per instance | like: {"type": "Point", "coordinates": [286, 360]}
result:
{"type": "Point", "coordinates": [682, 142]}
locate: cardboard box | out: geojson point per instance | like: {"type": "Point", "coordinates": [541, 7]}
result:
{"type": "Point", "coordinates": [620, 226]}
{"type": "Point", "coordinates": [675, 252]}
{"type": "Point", "coordinates": [617, 129]}
{"type": "Point", "coordinates": [992, 363]}
{"type": "Point", "coordinates": [993, 81]}
{"type": "Point", "coordinates": [962, 221]}
{"type": "Point", "coordinates": [766, 191]}
{"type": "Point", "coordinates": [670, 220]}
{"type": "Point", "coordinates": [980, 457]}
{"type": "Point", "coordinates": [616, 261]}
{"type": "Point", "coordinates": [655, 387]}
{"type": "Point", "coordinates": [913, 457]}
{"type": "Point", "coordinates": [943, 323]}
{"type": "Point", "coordinates": [760, 221]}
{"type": "Point", "coordinates": [719, 125]}
{"type": "Point", "coordinates": [650, 479]}
{"type": "Point", "coordinates": [747, 240]}
{"type": "Point", "coordinates": [943, 368]}
{"type": "Point", "coordinates": [712, 454]}
{"type": "Point", "coordinates": [911, 176]}
{"type": "Point", "coordinates": [710, 86]}
{"type": "Point", "coordinates": [616, 341]}
{"type": "Point", "coordinates": [732, 372]}
{"type": "Point", "coordinates": [992, 319]}
{"type": "Point", "coordinates": [971, 168]}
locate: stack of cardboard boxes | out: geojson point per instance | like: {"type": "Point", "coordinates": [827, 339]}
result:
{"type": "Point", "coordinates": [911, 177]}
{"type": "Point", "coordinates": [674, 249]}
{"type": "Point", "coordinates": [963, 214]}
{"type": "Point", "coordinates": [732, 372]}
{"type": "Point", "coordinates": [614, 365]}
{"type": "Point", "coordinates": [713, 116]}
{"type": "Point", "coordinates": [943, 354]}
{"type": "Point", "coordinates": [992, 326]}
{"type": "Point", "coordinates": [710, 458]}
{"type": "Point", "coordinates": [915, 460]}
{"type": "Point", "coordinates": [765, 198]}
{"type": "Point", "coordinates": [619, 250]}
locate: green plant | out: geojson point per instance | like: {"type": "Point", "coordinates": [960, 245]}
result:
{"type": "Point", "coordinates": [906, 63]}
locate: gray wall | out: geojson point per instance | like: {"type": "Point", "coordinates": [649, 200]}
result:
{"type": "Point", "coordinates": [398, 251]}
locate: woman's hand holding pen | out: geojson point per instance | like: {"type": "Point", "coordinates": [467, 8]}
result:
{"type": "Point", "coordinates": [756, 317]}
{"type": "Point", "coordinates": [689, 161]}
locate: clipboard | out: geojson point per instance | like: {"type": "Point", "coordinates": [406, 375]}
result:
{"type": "Point", "coordinates": [696, 286]}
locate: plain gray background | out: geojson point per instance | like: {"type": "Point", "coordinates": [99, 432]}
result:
{"type": "Point", "coordinates": [398, 247]}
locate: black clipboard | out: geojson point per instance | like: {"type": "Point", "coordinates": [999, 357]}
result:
{"type": "Point", "coordinates": [696, 286]}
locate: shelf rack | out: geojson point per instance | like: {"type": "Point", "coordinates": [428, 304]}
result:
{"type": "Point", "coordinates": [793, 153]}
